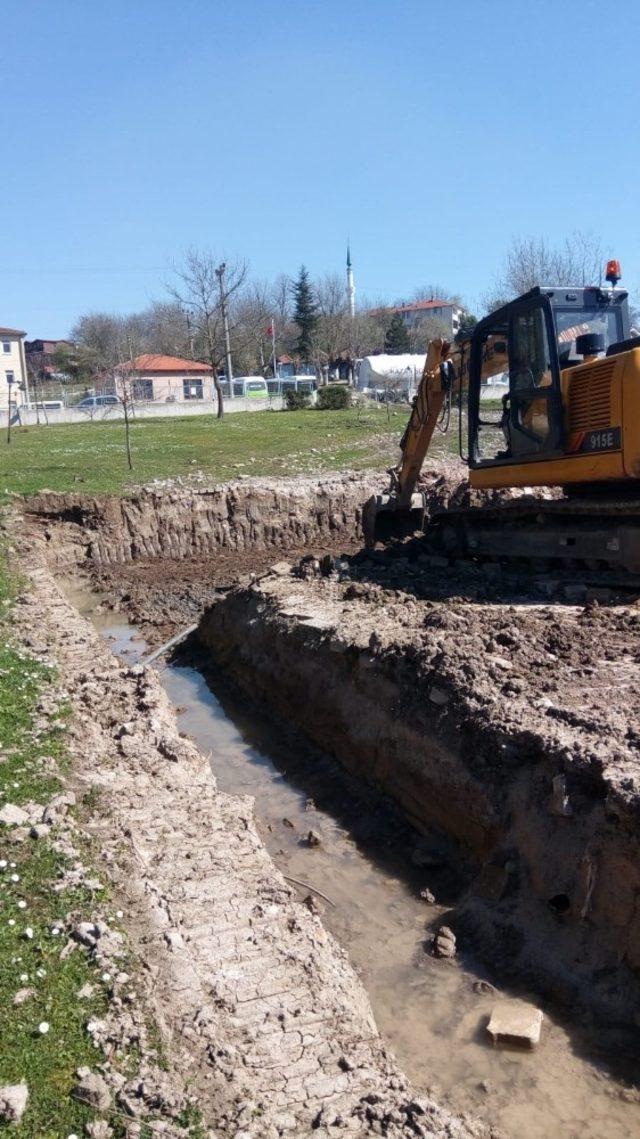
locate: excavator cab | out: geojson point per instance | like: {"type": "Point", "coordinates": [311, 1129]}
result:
{"type": "Point", "coordinates": [525, 348]}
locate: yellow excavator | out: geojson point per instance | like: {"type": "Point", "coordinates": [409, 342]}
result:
{"type": "Point", "coordinates": [565, 369]}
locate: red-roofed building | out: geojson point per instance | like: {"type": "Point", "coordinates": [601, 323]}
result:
{"type": "Point", "coordinates": [168, 378]}
{"type": "Point", "coordinates": [413, 313]}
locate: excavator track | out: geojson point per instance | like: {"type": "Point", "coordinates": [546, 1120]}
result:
{"type": "Point", "coordinates": [593, 536]}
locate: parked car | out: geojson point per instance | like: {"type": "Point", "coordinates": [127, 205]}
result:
{"type": "Point", "coordinates": [98, 402]}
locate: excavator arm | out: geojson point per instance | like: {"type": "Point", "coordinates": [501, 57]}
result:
{"type": "Point", "coordinates": [445, 371]}
{"type": "Point", "coordinates": [440, 378]}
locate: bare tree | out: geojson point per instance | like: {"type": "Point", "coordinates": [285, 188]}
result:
{"type": "Point", "coordinates": [429, 328]}
{"type": "Point", "coordinates": [333, 332]}
{"type": "Point", "coordinates": [203, 292]}
{"type": "Point", "coordinates": [251, 318]}
{"type": "Point", "coordinates": [436, 292]}
{"type": "Point", "coordinates": [128, 379]}
{"type": "Point", "coordinates": [530, 261]}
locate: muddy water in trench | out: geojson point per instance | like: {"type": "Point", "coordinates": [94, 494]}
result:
{"type": "Point", "coordinates": [427, 1009]}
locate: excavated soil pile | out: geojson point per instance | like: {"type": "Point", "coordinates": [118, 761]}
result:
{"type": "Point", "coordinates": [511, 727]}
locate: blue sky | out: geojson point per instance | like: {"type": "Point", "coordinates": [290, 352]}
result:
{"type": "Point", "coordinates": [431, 133]}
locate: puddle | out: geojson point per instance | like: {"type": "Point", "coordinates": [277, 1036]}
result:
{"type": "Point", "coordinates": [426, 1009]}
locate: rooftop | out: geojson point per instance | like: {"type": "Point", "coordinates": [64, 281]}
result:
{"type": "Point", "coordinates": [151, 363]}
{"type": "Point", "coordinates": [424, 306]}
{"type": "Point", "coordinates": [11, 332]}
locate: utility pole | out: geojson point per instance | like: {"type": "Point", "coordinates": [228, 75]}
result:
{"type": "Point", "coordinates": [273, 346]}
{"type": "Point", "coordinates": [10, 382]}
{"type": "Point", "coordinates": [189, 334]}
{"type": "Point", "coordinates": [220, 272]}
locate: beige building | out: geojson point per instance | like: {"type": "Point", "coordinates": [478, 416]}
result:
{"type": "Point", "coordinates": [13, 369]}
{"type": "Point", "coordinates": [167, 378]}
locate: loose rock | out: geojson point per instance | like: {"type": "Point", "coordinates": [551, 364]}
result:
{"type": "Point", "coordinates": [92, 1090]}
{"type": "Point", "coordinates": [99, 1129]}
{"type": "Point", "coordinates": [13, 816]}
{"type": "Point", "coordinates": [13, 1101]}
{"type": "Point", "coordinates": [515, 1023]}
{"type": "Point", "coordinates": [444, 944]}
{"type": "Point", "coordinates": [23, 995]}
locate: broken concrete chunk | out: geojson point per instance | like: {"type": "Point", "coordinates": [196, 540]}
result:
{"type": "Point", "coordinates": [515, 1024]}
{"type": "Point", "coordinates": [13, 816]}
{"type": "Point", "coordinates": [13, 1101]}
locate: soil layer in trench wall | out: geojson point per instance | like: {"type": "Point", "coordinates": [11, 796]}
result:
{"type": "Point", "coordinates": [448, 707]}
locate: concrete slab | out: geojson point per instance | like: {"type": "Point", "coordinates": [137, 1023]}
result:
{"type": "Point", "coordinates": [515, 1024]}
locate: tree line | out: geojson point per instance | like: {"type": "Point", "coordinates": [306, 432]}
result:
{"type": "Point", "coordinates": [309, 319]}
{"type": "Point", "coordinates": [206, 300]}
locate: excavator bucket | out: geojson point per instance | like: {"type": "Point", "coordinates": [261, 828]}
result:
{"type": "Point", "coordinates": [385, 520]}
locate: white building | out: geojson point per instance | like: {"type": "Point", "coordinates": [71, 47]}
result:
{"type": "Point", "coordinates": [447, 312]}
{"type": "Point", "coordinates": [13, 368]}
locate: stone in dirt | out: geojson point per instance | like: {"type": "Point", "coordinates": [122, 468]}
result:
{"type": "Point", "coordinates": [13, 1101]}
{"type": "Point", "coordinates": [23, 995]}
{"type": "Point", "coordinates": [13, 816]}
{"type": "Point", "coordinates": [92, 1090]}
{"type": "Point", "coordinates": [99, 1129]}
{"type": "Point", "coordinates": [444, 943]}
{"type": "Point", "coordinates": [40, 830]}
{"type": "Point", "coordinates": [515, 1023]}
{"type": "Point", "coordinates": [313, 839]}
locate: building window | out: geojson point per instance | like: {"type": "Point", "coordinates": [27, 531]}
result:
{"type": "Point", "coordinates": [10, 376]}
{"type": "Point", "coordinates": [6, 345]}
{"type": "Point", "coordinates": [192, 389]}
{"type": "Point", "coordinates": [143, 390]}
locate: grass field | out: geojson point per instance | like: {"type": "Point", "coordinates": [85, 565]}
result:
{"type": "Point", "coordinates": [90, 457]}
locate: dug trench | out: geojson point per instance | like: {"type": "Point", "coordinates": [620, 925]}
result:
{"type": "Point", "coordinates": [501, 724]}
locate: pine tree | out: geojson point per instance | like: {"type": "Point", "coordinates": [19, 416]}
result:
{"type": "Point", "coordinates": [305, 314]}
{"type": "Point", "coordinates": [396, 340]}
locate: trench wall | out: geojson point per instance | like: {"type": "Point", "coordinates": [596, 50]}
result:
{"type": "Point", "coordinates": [382, 717]}
{"type": "Point", "coordinates": [186, 522]}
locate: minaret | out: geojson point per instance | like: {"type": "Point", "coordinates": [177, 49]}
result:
{"type": "Point", "coordinates": [351, 289]}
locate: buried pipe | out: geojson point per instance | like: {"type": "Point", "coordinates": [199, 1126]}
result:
{"type": "Point", "coordinates": [175, 640]}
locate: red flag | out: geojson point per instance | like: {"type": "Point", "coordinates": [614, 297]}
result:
{"type": "Point", "coordinates": [269, 331]}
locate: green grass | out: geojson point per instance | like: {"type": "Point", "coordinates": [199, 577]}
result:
{"type": "Point", "coordinates": [46, 1062]}
{"type": "Point", "coordinates": [29, 870]}
{"type": "Point", "coordinates": [90, 457]}
{"type": "Point", "coordinates": [30, 759]}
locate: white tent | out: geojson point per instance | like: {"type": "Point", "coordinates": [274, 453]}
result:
{"type": "Point", "coordinates": [405, 371]}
